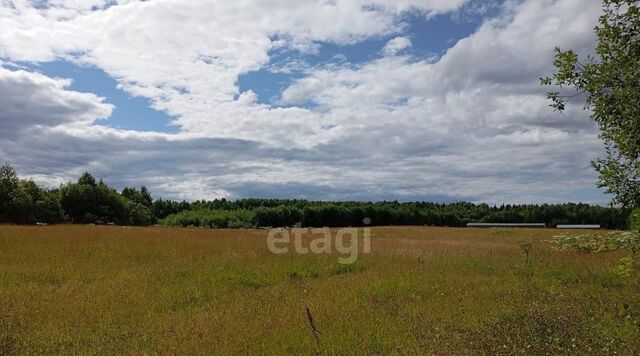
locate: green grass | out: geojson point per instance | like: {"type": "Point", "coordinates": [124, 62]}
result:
{"type": "Point", "coordinates": [96, 290]}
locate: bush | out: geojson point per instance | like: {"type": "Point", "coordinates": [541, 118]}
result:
{"type": "Point", "coordinates": [598, 242]}
{"type": "Point", "coordinates": [232, 219]}
{"type": "Point", "coordinates": [140, 215]}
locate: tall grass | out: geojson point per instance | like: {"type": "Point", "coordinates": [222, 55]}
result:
{"type": "Point", "coordinates": [114, 290]}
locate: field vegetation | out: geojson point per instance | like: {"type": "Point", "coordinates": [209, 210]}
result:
{"type": "Point", "coordinates": [101, 289]}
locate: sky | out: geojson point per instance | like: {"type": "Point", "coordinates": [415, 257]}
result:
{"type": "Point", "coordinates": [408, 100]}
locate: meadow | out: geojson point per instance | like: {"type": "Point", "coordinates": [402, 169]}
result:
{"type": "Point", "coordinates": [427, 290]}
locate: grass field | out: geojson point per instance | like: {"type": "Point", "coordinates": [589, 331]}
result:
{"type": "Point", "coordinates": [96, 290]}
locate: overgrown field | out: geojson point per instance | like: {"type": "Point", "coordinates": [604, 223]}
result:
{"type": "Point", "coordinates": [97, 290]}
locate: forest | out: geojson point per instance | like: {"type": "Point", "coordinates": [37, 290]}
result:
{"type": "Point", "coordinates": [91, 201]}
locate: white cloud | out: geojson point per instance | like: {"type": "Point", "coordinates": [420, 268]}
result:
{"type": "Point", "coordinates": [34, 100]}
{"type": "Point", "coordinates": [480, 103]}
{"type": "Point", "coordinates": [396, 45]}
{"type": "Point", "coordinates": [191, 71]}
{"type": "Point", "coordinates": [474, 125]}
{"type": "Point", "coordinates": [431, 7]}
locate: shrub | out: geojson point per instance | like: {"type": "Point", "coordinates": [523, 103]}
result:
{"type": "Point", "coordinates": [233, 219]}
{"type": "Point", "coordinates": [612, 241]}
{"type": "Point", "coordinates": [140, 215]}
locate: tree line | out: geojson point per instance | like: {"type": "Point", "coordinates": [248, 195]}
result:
{"type": "Point", "coordinates": [85, 201]}
{"type": "Point", "coordinates": [89, 201]}
{"type": "Point", "coordinates": [276, 213]}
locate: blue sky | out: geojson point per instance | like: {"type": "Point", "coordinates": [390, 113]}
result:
{"type": "Point", "coordinates": [131, 112]}
{"type": "Point", "coordinates": [431, 37]}
{"type": "Point", "coordinates": [354, 99]}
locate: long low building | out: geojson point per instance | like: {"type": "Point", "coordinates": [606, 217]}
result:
{"type": "Point", "coordinates": [578, 226]}
{"type": "Point", "coordinates": [531, 225]}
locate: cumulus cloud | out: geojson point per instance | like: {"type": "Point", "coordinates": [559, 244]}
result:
{"type": "Point", "coordinates": [472, 125]}
{"type": "Point", "coordinates": [396, 45]}
{"type": "Point", "coordinates": [34, 100]}
{"type": "Point", "coordinates": [478, 114]}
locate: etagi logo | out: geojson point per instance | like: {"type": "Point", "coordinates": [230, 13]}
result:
{"type": "Point", "coordinates": [347, 241]}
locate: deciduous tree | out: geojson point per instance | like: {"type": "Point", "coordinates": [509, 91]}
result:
{"type": "Point", "coordinates": [610, 85]}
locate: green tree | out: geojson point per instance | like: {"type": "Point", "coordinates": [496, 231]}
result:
{"type": "Point", "coordinates": [87, 179]}
{"type": "Point", "coordinates": [90, 202]}
{"type": "Point", "coordinates": [24, 202]}
{"type": "Point", "coordinates": [9, 184]}
{"type": "Point", "coordinates": [610, 83]}
{"type": "Point", "coordinates": [47, 208]}
{"type": "Point", "coordinates": [141, 196]}
{"type": "Point", "coordinates": [140, 206]}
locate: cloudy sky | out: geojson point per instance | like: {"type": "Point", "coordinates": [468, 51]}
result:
{"type": "Point", "coordinates": [322, 99]}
